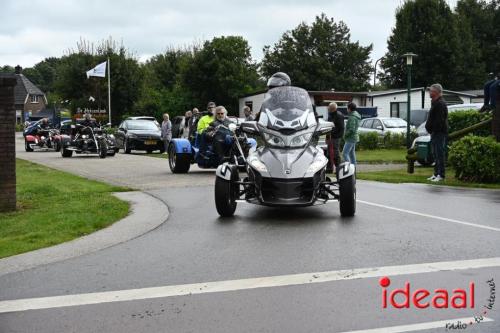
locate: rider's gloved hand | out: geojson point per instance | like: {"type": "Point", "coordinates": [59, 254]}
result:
{"type": "Point", "coordinates": [228, 140]}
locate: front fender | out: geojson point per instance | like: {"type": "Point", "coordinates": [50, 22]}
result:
{"type": "Point", "coordinates": [182, 146]}
{"type": "Point", "coordinates": [346, 169]}
{"type": "Point", "coordinates": [224, 171]}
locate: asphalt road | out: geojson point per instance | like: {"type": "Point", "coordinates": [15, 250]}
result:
{"type": "Point", "coordinates": [271, 270]}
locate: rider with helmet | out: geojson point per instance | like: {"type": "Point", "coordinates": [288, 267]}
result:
{"type": "Point", "coordinates": [278, 79]}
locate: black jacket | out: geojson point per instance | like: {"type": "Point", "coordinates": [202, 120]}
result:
{"type": "Point", "coordinates": [338, 121]}
{"type": "Point", "coordinates": [437, 121]}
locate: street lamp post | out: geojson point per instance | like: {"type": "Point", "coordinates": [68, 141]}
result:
{"type": "Point", "coordinates": [375, 70]}
{"type": "Point", "coordinates": [409, 62]}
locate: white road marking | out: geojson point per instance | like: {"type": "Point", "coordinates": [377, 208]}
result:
{"type": "Point", "coordinates": [430, 216]}
{"type": "Point", "coordinates": [242, 284]}
{"type": "Point", "coordinates": [421, 326]}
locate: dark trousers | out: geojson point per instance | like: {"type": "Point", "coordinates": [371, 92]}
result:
{"type": "Point", "coordinates": [438, 143]}
{"type": "Point", "coordinates": [334, 153]}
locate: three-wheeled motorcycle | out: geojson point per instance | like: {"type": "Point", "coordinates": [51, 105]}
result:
{"type": "Point", "coordinates": [36, 137]}
{"type": "Point", "coordinates": [182, 152]}
{"type": "Point", "coordinates": [87, 140]}
{"type": "Point", "coordinates": [289, 169]}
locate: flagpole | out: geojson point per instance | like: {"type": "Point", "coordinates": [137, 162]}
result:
{"type": "Point", "coordinates": [109, 91]}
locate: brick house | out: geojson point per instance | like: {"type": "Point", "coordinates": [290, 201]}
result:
{"type": "Point", "coordinates": [28, 98]}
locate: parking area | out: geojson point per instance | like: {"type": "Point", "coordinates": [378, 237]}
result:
{"type": "Point", "coordinates": [267, 270]}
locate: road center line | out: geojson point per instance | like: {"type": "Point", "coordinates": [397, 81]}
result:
{"type": "Point", "coordinates": [242, 284]}
{"type": "Point", "coordinates": [420, 326]}
{"type": "Point", "coordinates": [430, 216]}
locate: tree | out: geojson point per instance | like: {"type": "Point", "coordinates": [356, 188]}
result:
{"type": "Point", "coordinates": [221, 71]}
{"type": "Point", "coordinates": [446, 51]}
{"type": "Point", "coordinates": [7, 69]}
{"type": "Point", "coordinates": [126, 78]}
{"type": "Point", "coordinates": [483, 18]}
{"type": "Point", "coordinates": [161, 91]}
{"type": "Point", "coordinates": [320, 57]}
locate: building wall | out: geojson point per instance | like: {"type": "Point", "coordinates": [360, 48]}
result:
{"type": "Point", "coordinates": [383, 103]}
{"type": "Point", "coordinates": [256, 101]}
{"type": "Point", "coordinates": [34, 107]}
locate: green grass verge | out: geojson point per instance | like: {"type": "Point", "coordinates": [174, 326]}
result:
{"type": "Point", "coordinates": [420, 176]}
{"type": "Point", "coordinates": [378, 156]}
{"type": "Point", "coordinates": [55, 207]}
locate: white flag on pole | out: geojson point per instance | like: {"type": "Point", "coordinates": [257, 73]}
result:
{"type": "Point", "coordinates": [99, 70]}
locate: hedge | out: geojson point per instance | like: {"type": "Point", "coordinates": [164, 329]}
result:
{"type": "Point", "coordinates": [462, 119]}
{"type": "Point", "coordinates": [476, 159]}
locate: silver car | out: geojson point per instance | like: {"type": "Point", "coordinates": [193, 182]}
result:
{"type": "Point", "coordinates": [383, 125]}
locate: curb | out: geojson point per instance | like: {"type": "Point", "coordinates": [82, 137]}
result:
{"type": "Point", "coordinates": [147, 213]}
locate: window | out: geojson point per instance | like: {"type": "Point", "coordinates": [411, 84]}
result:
{"type": "Point", "coordinates": [368, 123]}
{"type": "Point", "coordinates": [397, 109]}
{"type": "Point", "coordinates": [34, 98]}
{"type": "Point", "coordinates": [377, 123]}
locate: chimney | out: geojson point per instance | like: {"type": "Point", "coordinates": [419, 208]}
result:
{"type": "Point", "coordinates": [18, 69]}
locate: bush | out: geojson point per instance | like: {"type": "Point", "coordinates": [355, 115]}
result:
{"type": "Point", "coordinates": [19, 127]}
{"type": "Point", "coordinates": [368, 141]}
{"type": "Point", "coordinates": [462, 119]}
{"type": "Point", "coordinates": [394, 140]}
{"type": "Point", "coordinates": [476, 159]}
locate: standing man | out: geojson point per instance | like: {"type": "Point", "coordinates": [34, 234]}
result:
{"type": "Point", "coordinates": [337, 118]}
{"type": "Point", "coordinates": [437, 126]}
{"type": "Point", "coordinates": [193, 123]}
{"type": "Point", "coordinates": [166, 131]}
{"type": "Point", "coordinates": [351, 135]}
{"type": "Point", "coordinates": [248, 113]}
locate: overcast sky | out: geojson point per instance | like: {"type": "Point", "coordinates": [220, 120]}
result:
{"type": "Point", "coordinates": [31, 30]}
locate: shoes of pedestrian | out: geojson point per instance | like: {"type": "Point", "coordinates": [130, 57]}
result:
{"type": "Point", "coordinates": [437, 179]}
{"type": "Point", "coordinates": [431, 178]}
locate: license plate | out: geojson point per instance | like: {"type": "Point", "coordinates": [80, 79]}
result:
{"type": "Point", "coordinates": [150, 142]}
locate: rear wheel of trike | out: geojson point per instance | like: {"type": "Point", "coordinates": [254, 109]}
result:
{"type": "Point", "coordinates": [179, 163]}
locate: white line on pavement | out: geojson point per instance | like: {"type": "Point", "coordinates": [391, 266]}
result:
{"type": "Point", "coordinates": [430, 216]}
{"type": "Point", "coordinates": [242, 284]}
{"type": "Point", "coordinates": [421, 326]}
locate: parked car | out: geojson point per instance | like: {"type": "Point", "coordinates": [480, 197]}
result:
{"type": "Point", "coordinates": [135, 134]}
{"type": "Point", "coordinates": [153, 119]}
{"type": "Point", "coordinates": [417, 116]}
{"type": "Point", "coordinates": [383, 125]}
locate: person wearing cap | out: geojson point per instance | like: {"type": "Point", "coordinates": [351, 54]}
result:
{"type": "Point", "coordinates": [205, 121]}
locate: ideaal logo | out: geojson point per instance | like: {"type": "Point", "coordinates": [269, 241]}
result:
{"type": "Point", "coordinates": [439, 299]}
{"type": "Point", "coordinates": [423, 298]}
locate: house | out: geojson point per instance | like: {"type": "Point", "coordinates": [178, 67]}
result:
{"type": "Point", "coordinates": [392, 103]}
{"type": "Point", "coordinates": [28, 98]}
{"type": "Point", "coordinates": [389, 103]}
